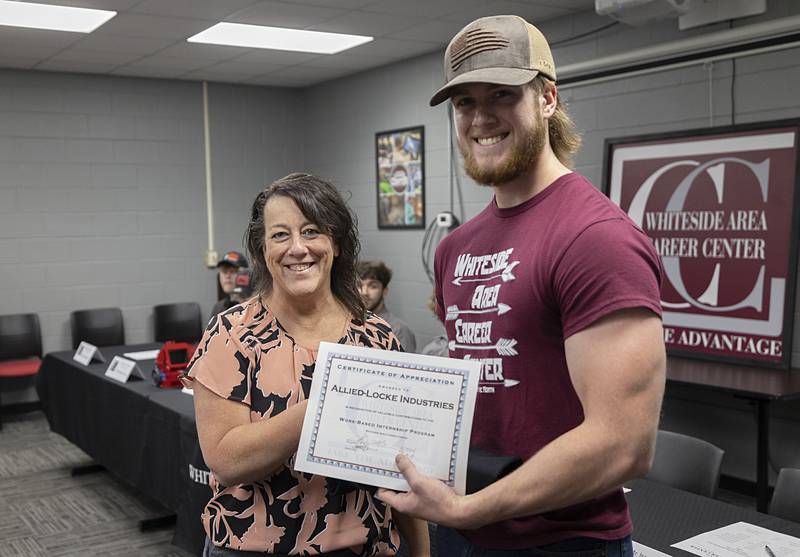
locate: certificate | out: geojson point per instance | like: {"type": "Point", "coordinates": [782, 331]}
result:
{"type": "Point", "coordinates": [367, 405]}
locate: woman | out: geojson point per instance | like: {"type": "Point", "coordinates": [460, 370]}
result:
{"type": "Point", "coordinates": [252, 374]}
{"type": "Point", "coordinates": [227, 268]}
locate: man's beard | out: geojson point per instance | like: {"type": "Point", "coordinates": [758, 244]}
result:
{"type": "Point", "coordinates": [522, 157]}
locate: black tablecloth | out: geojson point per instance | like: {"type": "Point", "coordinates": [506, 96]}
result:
{"type": "Point", "coordinates": [146, 436]}
{"type": "Point", "coordinates": [663, 515]}
{"type": "Point", "coordinates": [142, 434]}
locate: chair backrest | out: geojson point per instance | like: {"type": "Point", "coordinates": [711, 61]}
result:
{"type": "Point", "coordinates": [786, 497]}
{"type": "Point", "coordinates": [180, 322]}
{"type": "Point", "coordinates": [101, 327]}
{"type": "Point", "coordinates": [20, 336]}
{"type": "Point", "coordinates": [686, 463]}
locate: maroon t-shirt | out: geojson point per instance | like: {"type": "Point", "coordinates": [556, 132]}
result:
{"type": "Point", "coordinates": [513, 284]}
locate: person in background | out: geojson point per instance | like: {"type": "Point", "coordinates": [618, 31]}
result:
{"type": "Point", "coordinates": [227, 268]}
{"type": "Point", "coordinates": [557, 292]}
{"type": "Point", "coordinates": [374, 278]}
{"type": "Point", "coordinates": [251, 376]}
{"type": "Point", "coordinates": [438, 346]}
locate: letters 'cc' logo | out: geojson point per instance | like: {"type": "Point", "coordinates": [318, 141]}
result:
{"type": "Point", "coordinates": [716, 171]}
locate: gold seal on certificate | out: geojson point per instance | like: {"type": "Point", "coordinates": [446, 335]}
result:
{"type": "Point", "coordinates": [368, 405]}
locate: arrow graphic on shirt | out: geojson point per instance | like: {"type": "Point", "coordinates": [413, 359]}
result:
{"type": "Point", "coordinates": [506, 382]}
{"type": "Point", "coordinates": [506, 275]}
{"type": "Point", "coordinates": [453, 311]}
{"type": "Point", "coordinates": [504, 346]}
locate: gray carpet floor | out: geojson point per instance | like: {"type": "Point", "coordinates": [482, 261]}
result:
{"type": "Point", "coordinates": [45, 511]}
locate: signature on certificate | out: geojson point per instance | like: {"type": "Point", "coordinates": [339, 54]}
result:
{"type": "Point", "coordinates": [363, 443]}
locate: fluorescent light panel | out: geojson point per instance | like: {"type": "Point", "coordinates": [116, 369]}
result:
{"type": "Point", "coordinates": [54, 18]}
{"type": "Point", "coordinates": [278, 38]}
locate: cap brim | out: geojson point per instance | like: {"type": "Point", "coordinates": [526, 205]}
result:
{"type": "Point", "coordinates": [500, 76]}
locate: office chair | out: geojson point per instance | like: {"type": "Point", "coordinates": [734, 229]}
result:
{"type": "Point", "coordinates": [786, 497]}
{"type": "Point", "coordinates": [179, 322]}
{"type": "Point", "coordinates": [20, 347]}
{"type": "Point", "coordinates": [686, 463]}
{"type": "Point", "coordinates": [101, 327]}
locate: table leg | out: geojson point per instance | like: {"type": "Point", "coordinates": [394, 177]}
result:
{"type": "Point", "coordinates": [762, 456]}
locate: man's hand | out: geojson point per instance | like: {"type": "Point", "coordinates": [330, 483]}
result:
{"type": "Point", "coordinates": [428, 498]}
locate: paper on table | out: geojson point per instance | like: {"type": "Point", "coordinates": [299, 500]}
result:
{"type": "Point", "coordinates": [640, 550]}
{"type": "Point", "coordinates": [143, 355]}
{"type": "Point", "coordinates": [626, 490]}
{"type": "Point", "coordinates": [741, 540]}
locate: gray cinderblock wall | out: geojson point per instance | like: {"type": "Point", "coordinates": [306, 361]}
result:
{"type": "Point", "coordinates": [102, 192]}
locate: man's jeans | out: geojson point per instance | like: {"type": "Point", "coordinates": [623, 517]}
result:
{"type": "Point", "coordinates": [450, 543]}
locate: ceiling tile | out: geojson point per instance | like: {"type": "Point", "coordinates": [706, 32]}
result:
{"type": "Point", "coordinates": [344, 4]}
{"type": "Point", "coordinates": [212, 10]}
{"type": "Point", "coordinates": [365, 23]}
{"type": "Point", "coordinates": [159, 61]}
{"type": "Point", "coordinates": [218, 76]}
{"type": "Point", "coordinates": [18, 62]}
{"type": "Point", "coordinates": [234, 66]}
{"type": "Point", "coordinates": [159, 27]}
{"type": "Point", "coordinates": [145, 71]}
{"type": "Point", "coordinates": [305, 72]}
{"type": "Point", "coordinates": [396, 48]}
{"type": "Point", "coordinates": [279, 57]}
{"type": "Point", "coordinates": [94, 57]}
{"type": "Point", "coordinates": [17, 50]}
{"type": "Point", "coordinates": [422, 8]}
{"type": "Point", "coordinates": [433, 30]}
{"type": "Point", "coordinates": [348, 59]}
{"type": "Point", "coordinates": [200, 51]}
{"type": "Point", "coordinates": [577, 5]}
{"type": "Point", "coordinates": [76, 67]}
{"type": "Point", "coordinates": [531, 12]}
{"type": "Point", "coordinates": [131, 45]}
{"type": "Point", "coordinates": [277, 81]}
{"type": "Point", "coordinates": [114, 5]}
{"type": "Point", "coordinates": [280, 14]}
{"type": "Point", "coordinates": [36, 37]}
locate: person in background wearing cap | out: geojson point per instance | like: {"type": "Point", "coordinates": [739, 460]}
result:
{"type": "Point", "coordinates": [373, 283]}
{"type": "Point", "coordinates": [557, 292]}
{"type": "Point", "coordinates": [227, 268]}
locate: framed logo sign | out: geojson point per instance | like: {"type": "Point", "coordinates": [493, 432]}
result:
{"type": "Point", "coordinates": [720, 206]}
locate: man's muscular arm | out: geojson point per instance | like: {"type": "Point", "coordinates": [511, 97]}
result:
{"type": "Point", "coordinates": [617, 366]}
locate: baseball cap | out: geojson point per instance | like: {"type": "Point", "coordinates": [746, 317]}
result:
{"type": "Point", "coordinates": [502, 49]}
{"type": "Point", "coordinates": [233, 258]}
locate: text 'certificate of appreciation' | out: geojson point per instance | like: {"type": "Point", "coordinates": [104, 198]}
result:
{"type": "Point", "coordinates": [368, 405]}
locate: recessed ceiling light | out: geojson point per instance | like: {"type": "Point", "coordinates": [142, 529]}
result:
{"type": "Point", "coordinates": [55, 18]}
{"type": "Point", "coordinates": [278, 38]}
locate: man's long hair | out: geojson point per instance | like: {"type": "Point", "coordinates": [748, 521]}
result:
{"type": "Point", "coordinates": [565, 140]}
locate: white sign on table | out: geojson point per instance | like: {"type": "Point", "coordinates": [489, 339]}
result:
{"type": "Point", "coordinates": [741, 540]}
{"type": "Point", "coordinates": [367, 405]}
{"type": "Point", "coordinates": [87, 352]}
{"type": "Point", "coordinates": [120, 369]}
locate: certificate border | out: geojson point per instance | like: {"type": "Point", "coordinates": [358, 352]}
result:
{"type": "Point", "coordinates": [393, 363]}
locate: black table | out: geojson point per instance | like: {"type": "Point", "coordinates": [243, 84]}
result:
{"type": "Point", "coordinates": [663, 515]}
{"type": "Point", "coordinates": [760, 386]}
{"type": "Point", "coordinates": [142, 434]}
{"type": "Point", "coordinates": [147, 437]}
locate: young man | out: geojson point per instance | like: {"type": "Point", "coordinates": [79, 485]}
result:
{"type": "Point", "coordinates": [227, 268]}
{"type": "Point", "coordinates": [374, 277]}
{"type": "Point", "coordinates": [567, 293]}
